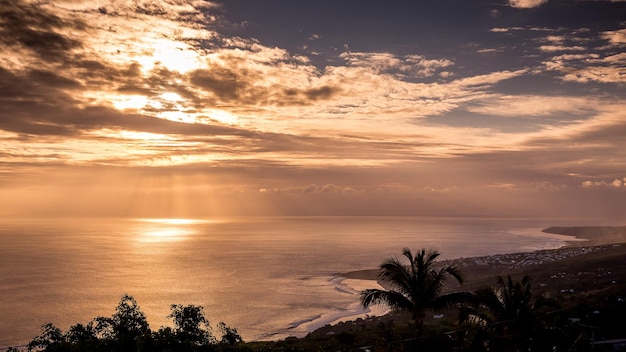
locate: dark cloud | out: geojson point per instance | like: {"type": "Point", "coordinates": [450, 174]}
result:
{"type": "Point", "coordinates": [150, 8]}
{"type": "Point", "coordinates": [613, 134]}
{"type": "Point", "coordinates": [320, 93]}
{"type": "Point", "coordinates": [31, 26]}
{"type": "Point", "coordinates": [230, 85]}
{"type": "Point", "coordinates": [609, 135]}
{"type": "Point", "coordinates": [226, 84]}
{"type": "Point", "coordinates": [34, 103]}
{"type": "Point", "coordinates": [52, 80]}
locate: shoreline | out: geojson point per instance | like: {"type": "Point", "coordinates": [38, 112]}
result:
{"type": "Point", "coordinates": [579, 277]}
{"type": "Point", "coordinates": [578, 240]}
{"type": "Point", "coordinates": [354, 311]}
{"type": "Point", "coordinates": [589, 241]}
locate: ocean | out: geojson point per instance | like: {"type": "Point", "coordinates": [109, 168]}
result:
{"type": "Point", "coordinates": [267, 277]}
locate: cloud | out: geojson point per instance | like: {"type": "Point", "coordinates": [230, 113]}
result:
{"type": "Point", "coordinates": [617, 37]}
{"type": "Point", "coordinates": [553, 48]}
{"type": "Point", "coordinates": [609, 69]}
{"type": "Point", "coordinates": [310, 189]}
{"type": "Point", "coordinates": [617, 183]}
{"type": "Point", "coordinates": [531, 106]}
{"type": "Point", "coordinates": [399, 66]}
{"type": "Point", "coordinates": [238, 82]}
{"type": "Point", "coordinates": [41, 32]}
{"type": "Point", "coordinates": [599, 63]}
{"type": "Point", "coordinates": [546, 186]}
{"type": "Point", "coordinates": [526, 4]}
{"type": "Point", "coordinates": [223, 82]}
{"type": "Point", "coordinates": [171, 91]}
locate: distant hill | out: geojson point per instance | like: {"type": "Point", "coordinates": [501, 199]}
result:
{"type": "Point", "coordinates": [595, 234]}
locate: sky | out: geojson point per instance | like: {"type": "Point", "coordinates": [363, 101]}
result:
{"type": "Point", "coordinates": [172, 108]}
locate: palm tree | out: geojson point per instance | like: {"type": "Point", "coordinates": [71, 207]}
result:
{"type": "Point", "coordinates": [414, 287]}
{"type": "Point", "coordinates": [508, 312]}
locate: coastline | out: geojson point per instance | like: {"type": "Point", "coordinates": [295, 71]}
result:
{"type": "Point", "coordinates": [582, 277]}
{"type": "Point", "coordinates": [578, 240]}
{"type": "Point", "coordinates": [593, 253]}
{"type": "Point", "coordinates": [594, 235]}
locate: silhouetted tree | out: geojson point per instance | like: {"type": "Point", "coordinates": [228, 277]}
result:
{"type": "Point", "coordinates": [127, 330]}
{"type": "Point", "coordinates": [508, 316]}
{"type": "Point", "coordinates": [51, 339]}
{"type": "Point", "coordinates": [414, 287]}
{"type": "Point", "coordinates": [123, 330]}
{"type": "Point", "coordinates": [190, 325]}
{"type": "Point", "coordinates": [230, 336]}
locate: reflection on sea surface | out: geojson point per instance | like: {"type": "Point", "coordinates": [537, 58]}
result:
{"type": "Point", "coordinates": [258, 275]}
{"type": "Point", "coordinates": [163, 230]}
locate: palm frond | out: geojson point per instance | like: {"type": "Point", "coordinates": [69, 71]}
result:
{"type": "Point", "coordinates": [474, 316]}
{"type": "Point", "coordinates": [392, 299]}
{"type": "Point", "coordinates": [455, 272]}
{"type": "Point", "coordinates": [396, 275]}
{"type": "Point", "coordinates": [445, 301]}
{"type": "Point", "coordinates": [415, 286]}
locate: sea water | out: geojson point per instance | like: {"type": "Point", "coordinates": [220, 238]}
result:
{"type": "Point", "coordinates": [268, 277]}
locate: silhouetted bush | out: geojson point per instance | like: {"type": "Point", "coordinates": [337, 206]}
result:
{"type": "Point", "coordinates": [128, 330]}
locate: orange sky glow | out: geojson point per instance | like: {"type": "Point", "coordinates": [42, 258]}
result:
{"type": "Point", "coordinates": [199, 109]}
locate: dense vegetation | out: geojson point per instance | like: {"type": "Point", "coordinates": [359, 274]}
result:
{"type": "Point", "coordinates": [128, 330]}
{"type": "Point", "coordinates": [507, 316]}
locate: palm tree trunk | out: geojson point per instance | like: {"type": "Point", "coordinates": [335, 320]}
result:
{"type": "Point", "coordinates": [418, 319]}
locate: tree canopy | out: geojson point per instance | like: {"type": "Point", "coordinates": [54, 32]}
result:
{"type": "Point", "coordinates": [415, 286]}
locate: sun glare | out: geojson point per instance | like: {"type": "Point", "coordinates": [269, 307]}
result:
{"type": "Point", "coordinates": [129, 102]}
{"type": "Point", "coordinates": [164, 235]}
{"type": "Point", "coordinates": [174, 221]}
{"type": "Point", "coordinates": [223, 117]}
{"type": "Point", "coordinates": [173, 55]}
{"type": "Point", "coordinates": [177, 116]}
{"type": "Point", "coordinates": [170, 96]}
{"type": "Point", "coordinates": [146, 136]}
{"type": "Point", "coordinates": [159, 230]}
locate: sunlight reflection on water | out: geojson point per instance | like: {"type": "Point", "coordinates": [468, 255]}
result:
{"type": "Point", "coordinates": [175, 221]}
{"type": "Point", "coordinates": [258, 275]}
{"type": "Point", "coordinates": [159, 230]}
